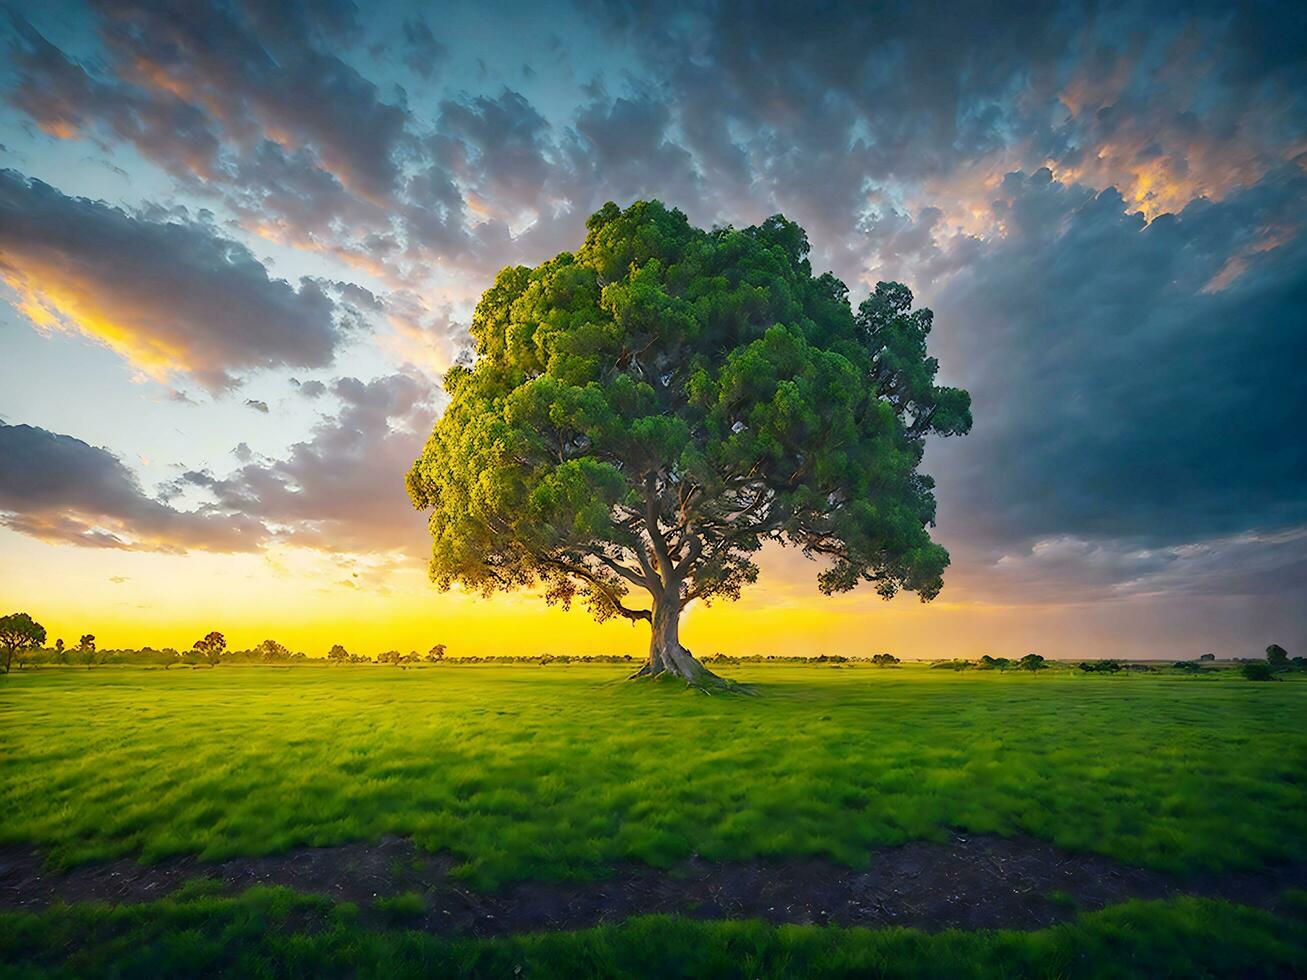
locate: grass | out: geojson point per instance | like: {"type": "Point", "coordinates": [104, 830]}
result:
{"type": "Point", "coordinates": [398, 908]}
{"type": "Point", "coordinates": [558, 772]}
{"type": "Point", "coordinates": [275, 932]}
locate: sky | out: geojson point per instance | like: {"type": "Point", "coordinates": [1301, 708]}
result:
{"type": "Point", "coordinates": [240, 243]}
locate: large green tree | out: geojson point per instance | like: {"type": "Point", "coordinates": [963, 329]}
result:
{"type": "Point", "coordinates": [643, 414]}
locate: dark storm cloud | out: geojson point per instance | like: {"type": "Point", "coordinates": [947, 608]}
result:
{"type": "Point", "coordinates": [1073, 569]}
{"type": "Point", "coordinates": [60, 489]}
{"type": "Point", "coordinates": [1133, 382]}
{"type": "Point", "coordinates": [169, 295]}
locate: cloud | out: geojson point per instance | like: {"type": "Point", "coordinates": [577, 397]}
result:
{"type": "Point", "coordinates": [170, 296]}
{"type": "Point", "coordinates": [728, 110]}
{"type": "Point", "coordinates": [67, 101]}
{"type": "Point", "coordinates": [1115, 395]}
{"type": "Point", "coordinates": [1131, 422]}
{"type": "Point", "coordinates": [257, 74]}
{"type": "Point", "coordinates": [836, 115]}
{"type": "Point", "coordinates": [257, 405]}
{"type": "Point", "coordinates": [342, 489]}
{"type": "Point", "coordinates": [59, 489]}
{"type": "Point", "coordinates": [423, 54]}
{"type": "Point", "coordinates": [286, 196]}
{"type": "Point", "coordinates": [244, 104]}
{"type": "Point", "coordinates": [498, 149]}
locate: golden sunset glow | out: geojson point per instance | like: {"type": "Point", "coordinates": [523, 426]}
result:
{"type": "Point", "coordinates": [54, 299]}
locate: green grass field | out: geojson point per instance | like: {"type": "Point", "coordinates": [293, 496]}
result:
{"type": "Point", "coordinates": [274, 932]}
{"type": "Point", "coordinates": [558, 772]}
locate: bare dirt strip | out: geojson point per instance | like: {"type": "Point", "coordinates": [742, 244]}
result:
{"type": "Point", "coordinates": [969, 882]}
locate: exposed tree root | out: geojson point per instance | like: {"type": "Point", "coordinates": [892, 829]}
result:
{"type": "Point", "coordinates": [675, 663]}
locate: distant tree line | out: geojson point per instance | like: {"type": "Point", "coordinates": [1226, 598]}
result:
{"type": "Point", "coordinates": [1031, 662]}
{"type": "Point", "coordinates": [22, 642]}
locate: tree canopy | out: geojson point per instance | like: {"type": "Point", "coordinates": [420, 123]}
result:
{"type": "Point", "coordinates": [643, 414]}
{"type": "Point", "coordinates": [18, 634]}
{"type": "Point", "coordinates": [211, 647]}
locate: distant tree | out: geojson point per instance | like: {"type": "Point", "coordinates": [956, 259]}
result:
{"type": "Point", "coordinates": [885, 660]}
{"type": "Point", "coordinates": [646, 412]}
{"type": "Point", "coordinates": [338, 654]}
{"type": "Point", "coordinates": [1189, 666]}
{"type": "Point", "coordinates": [994, 663]}
{"type": "Point", "coordinates": [1208, 657]}
{"type": "Point", "coordinates": [1277, 657]}
{"type": "Point", "coordinates": [60, 654]}
{"type": "Point", "coordinates": [272, 650]}
{"type": "Point", "coordinates": [1101, 666]}
{"type": "Point", "coordinates": [19, 633]}
{"type": "Point", "coordinates": [210, 649]}
{"type": "Point", "coordinates": [1033, 661]}
{"type": "Point", "coordinates": [1258, 670]}
{"type": "Point", "coordinates": [86, 647]}
{"type": "Point", "coordinates": [390, 657]}
{"type": "Point", "coordinates": [436, 654]}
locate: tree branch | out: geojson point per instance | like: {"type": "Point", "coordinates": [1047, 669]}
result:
{"type": "Point", "coordinates": [651, 528]}
{"type": "Point", "coordinates": [630, 574]}
{"type": "Point", "coordinates": [602, 588]}
{"type": "Point", "coordinates": [696, 549]}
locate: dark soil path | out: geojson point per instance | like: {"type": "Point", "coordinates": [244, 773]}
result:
{"type": "Point", "coordinates": [969, 882]}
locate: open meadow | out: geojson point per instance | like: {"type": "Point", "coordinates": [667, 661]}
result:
{"type": "Point", "coordinates": [558, 806]}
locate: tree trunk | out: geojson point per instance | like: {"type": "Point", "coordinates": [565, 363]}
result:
{"type": "Point", "coordinates": [667, 658]}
